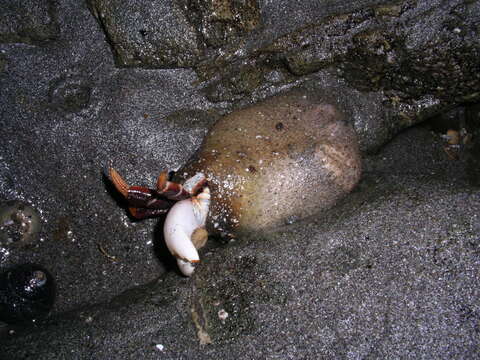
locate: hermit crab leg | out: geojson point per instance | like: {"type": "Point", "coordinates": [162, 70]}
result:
{"type": "Point", "coordinates": [144, 202]}
{"type": "Point", "coordinates": [184, 229]}
{"type": "Point", "coordinates": [175, 191]}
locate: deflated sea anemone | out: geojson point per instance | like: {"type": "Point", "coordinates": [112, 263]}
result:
{"type": "Point", "coordinates": [267, 165]}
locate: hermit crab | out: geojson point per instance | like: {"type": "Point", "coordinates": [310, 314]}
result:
{"type": "Point", "coordinates": [268, 165]}
{"type": "Point", "coordinates": [184, 229]}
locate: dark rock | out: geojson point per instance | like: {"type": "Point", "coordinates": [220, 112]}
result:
{"type": "Point", "coordinates": [472, 142]}
{"type": "Point", "coordinates": [405, 52]}
{"type": "Point", "coordinates": [173, 33]}
{"type": "Point", "coordinates": [390, 272]}
{"type": "Point", "coordinates": [148, 33]}
{"type": "Point", "coordinates": [3, 63]}
{"type": "Point", "coordinates": [379, 47]}
{"type": "Point", "coordinates": [28, 21]}
{"type": "Point", "coordinates": [377, 50]}
{"type": "Point", "coordinates": [70, 94]}
{"type": "Point", "coordinates": [453, 119]}
{"type": "Point", "coordinates": [221, 22]}
{"type": "Point", "coordinates": [241, 82]}
{"type": "Point", "coordinates": [193, 119]}
{"type": "Point", "coordinates": [357, 282]}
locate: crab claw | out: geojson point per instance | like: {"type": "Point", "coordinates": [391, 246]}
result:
{"type": "Point", "coordinates": [184, 230]}
{"type": "Point", "coordinates": [144, 202]}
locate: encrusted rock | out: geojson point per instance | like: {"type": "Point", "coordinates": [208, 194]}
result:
{"type": "Point", "coordinates": [28, 21]}
{"type": "Point", "coordinates": [220, 21]}
{"type": "Point", "coordinates": [172, 33]}
{"type": "Point", "coordinates": [150, 33]}
{"type": "Point", "coordinates": [419, 58]}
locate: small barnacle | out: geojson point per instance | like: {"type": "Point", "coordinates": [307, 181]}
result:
{"type": "Point", "coordinates": [19, 223]}
{"type": "Point", "coordinates": [26, 292]}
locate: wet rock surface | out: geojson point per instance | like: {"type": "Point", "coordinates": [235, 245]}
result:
{"type": "Point", "coordinates": [410, 228]}
{"type": "Point", "coordinates": [29, 22]}
{"type": "Point", "coordinates": [221, 22]}
{"type": "Point", "coordinates": [150, 34]}
{"type": "Point", "coordinates": [391, 270]}
{"type": "Point", "coordinates": [70, 93]}
{"type": "Point", "coordinates": [27, 292]}
{"type": "Point", "coordinates": [404, 52]}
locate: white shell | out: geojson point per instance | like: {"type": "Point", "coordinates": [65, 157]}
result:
{"type": "Point", "coordinates": [187, 268]}
{"type": "Point", "coordinates": [182, 219]}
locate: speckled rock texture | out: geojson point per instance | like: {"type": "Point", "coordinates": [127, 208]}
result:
{"type": "Point", "coordinates": [390, 272]}
{"type": "Point", "coordinates": [148, 33]}
{"type": "Point", "coordinates": [417, 58]}
{"type": "Point", "coordinates": [276, 162]}
{"type": "Point", "coordinates": [220, 22]}
{"type": "Point", "coordinates": [28, 21]}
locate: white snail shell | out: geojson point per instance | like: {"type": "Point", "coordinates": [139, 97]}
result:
{"type": "Point", "coordinates": [182, 220]}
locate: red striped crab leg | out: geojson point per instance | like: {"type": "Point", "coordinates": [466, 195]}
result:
{"type": "Point", "coordinates": [145, 202]}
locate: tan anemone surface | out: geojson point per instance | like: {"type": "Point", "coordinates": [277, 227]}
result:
{"type": "Point", "coordinates": [276, 162]}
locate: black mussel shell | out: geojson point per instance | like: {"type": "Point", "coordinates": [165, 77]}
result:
{"type": "Point", "coordinates": [26, 292]}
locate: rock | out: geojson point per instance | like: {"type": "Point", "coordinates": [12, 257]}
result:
{"type": "Point", "coordinates": [406, 230]}
{"type": "Point", "coordinates": [405, 53]}
{"type": "Point", "coordinates": [197, 120]}
{"type": "Point", "coordinates": [148, 33]}
{"type": "Point", "coordinates": [410, 228]}
{"type": "Point", "coordinates": [241, 82]}
{"type": "Point", "coordinates": [70, 94]}
{"type": "Point", "coordinates": [473, 134]}
{"type": "Point", "coordinates": [278, 161]}
{"type": "Point", "coordinates": [220, 22]}
{"type": "Point", "coordinates": [3, 63]}
{"type": "Point", "coordinates": [168, 34]}
{"type": "Point", "coordinates": [28, 21]}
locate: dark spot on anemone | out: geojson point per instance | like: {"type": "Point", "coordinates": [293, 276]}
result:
{"type": "Point", "coordinates": [279, 126]}
{"type": "Point", "coordinates": [252, 169]}
{"type": "Point", "coordinates": [143, 32]}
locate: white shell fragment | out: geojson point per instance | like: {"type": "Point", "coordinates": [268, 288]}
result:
{"type": "Point", "coordinates": [182, 220]}
{"type": "Point", "coordinates": [187, 268]}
